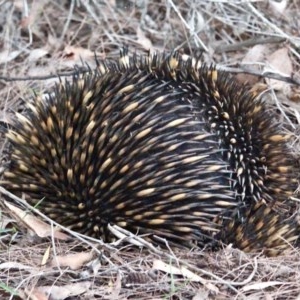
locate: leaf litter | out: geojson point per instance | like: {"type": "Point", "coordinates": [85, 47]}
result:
{"type": "Point", "coordinates": [257, 41]}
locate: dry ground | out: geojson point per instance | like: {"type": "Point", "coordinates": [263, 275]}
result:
{"type": "Point", "coordinates": [39, 39]}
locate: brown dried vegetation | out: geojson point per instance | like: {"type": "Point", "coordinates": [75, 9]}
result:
{"type": "Point", "coordinates": [42, 38]}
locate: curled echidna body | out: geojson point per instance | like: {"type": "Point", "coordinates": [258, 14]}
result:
{"type": "Point", "coordinates": [157, 145]}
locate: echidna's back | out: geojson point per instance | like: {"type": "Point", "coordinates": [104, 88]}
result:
{"type": "Point", "coordinates": [154, 146]}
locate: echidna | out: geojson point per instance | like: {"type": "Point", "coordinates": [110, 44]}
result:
{"type": "Point", "coordinates": [157, 145]}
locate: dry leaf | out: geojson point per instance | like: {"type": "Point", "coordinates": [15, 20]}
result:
{"type": "Point", "coordinates": [73, 261]}
{"type": "Point", "coordinates": [43, 71]}
{"type": "Point", "coordinates": [8, 55]}
{"type": "Point", "coordinates": [143, 40]}
{"type": "Point", "coordinates": [261, 285]}
{"type": "Point", "coordinates": [46, 256]}
{"type": "Point", "coordinates": [36, 54]}
{"type": "Point", "coordinates": [160, 265]}
{"type": "Point", "coordinates": [280, 62]}
{"type": "Point", "coordinates": [255, 55]}
{"type": "Point", "coordinates": [64, 292]}
{"type": "Point", "coordinates": [14, 265]}
{"type": "Point", "coordinates": [202, 294]}
{"type": "Point", "coordinates": [278, 7]}
{"type": "Point", "coordinates": [35, 294]}
{"type": "Point", "coordinates": [41, 228]}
